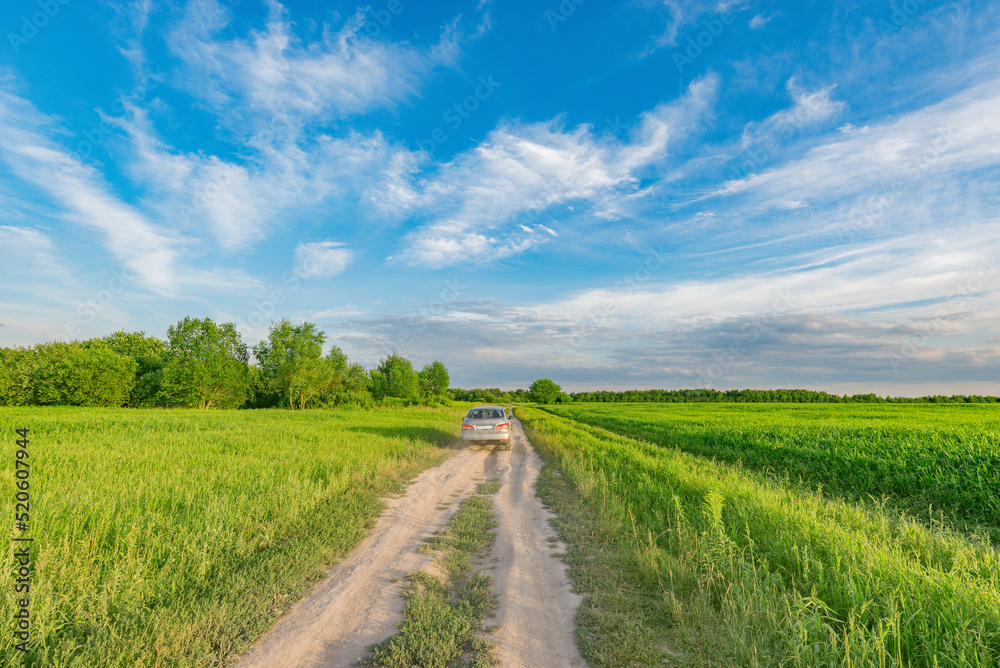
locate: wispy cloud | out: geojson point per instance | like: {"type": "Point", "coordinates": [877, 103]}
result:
{"type": "Point", "coordinates": [84, 196]}
{"type": "Point", "coordinates": [149, 251]}
{"type": "Point", "coordinates": [810, 109]}
{"type": "Point", "coordinates": [132, 18]}
{"type": "Point", "coordinates": [680, 14]}
{"type": "Point", "coordinates": [240, 201]}
{"type": "Point", "coordinates": [759, 21]}
{"type": "Point", "coordinates": [955, 135]}
{"type": "Point", "coordinates": [527, 169]}
{"type": "Point", "coordinates": [272, 71]}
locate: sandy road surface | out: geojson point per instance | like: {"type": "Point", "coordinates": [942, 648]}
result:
{"type": "Point", "coordinates": [359, 605]}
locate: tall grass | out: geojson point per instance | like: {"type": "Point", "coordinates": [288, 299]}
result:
{"type": "Point", "coordinates": [940, 461]}
{"type": "Point", "coordinates": [173, 538]}
{"type": "Point", "coordinates": [729, 567]}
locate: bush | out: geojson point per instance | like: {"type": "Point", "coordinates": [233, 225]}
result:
{"type": "Point", "coordinates": [68, 374]}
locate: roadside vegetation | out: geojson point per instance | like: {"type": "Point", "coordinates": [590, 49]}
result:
{"type": "Point", "coordinates": [443, 617]}
{"type": "Point", "coordinates": [688, 561]}
{"type": "Point", "coordinates": [173, 538]}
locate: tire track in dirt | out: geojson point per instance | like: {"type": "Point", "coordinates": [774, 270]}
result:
{"type": "Point", "coordinates": [359, 604]}
{"type": "Point", "coordinates": [537, 607]}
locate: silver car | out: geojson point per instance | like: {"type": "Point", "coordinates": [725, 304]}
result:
{"type": "Point", "coordinates": [487, 424]}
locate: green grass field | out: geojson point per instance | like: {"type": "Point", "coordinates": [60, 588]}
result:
{"type": "Point", "coordinates": [701, 534]}
{"type": "Point", "coordinates": [695, 548]}
{"type": "Point", "coordinates": [927, 459]}
{"type": "Point", "coordinates": [172, 538]}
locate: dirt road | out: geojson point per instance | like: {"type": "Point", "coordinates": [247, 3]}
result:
{"type": "Point", "coordinates": [360, 604]}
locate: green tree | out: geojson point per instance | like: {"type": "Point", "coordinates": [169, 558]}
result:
{"type": "Point", "coordinates": [132, 344]}
{"type": "Point", "coordinates": [205, 365]}
{"type": "Point", "coordinates": [259, 392]}
{"type": "Point", "coordinates": [337, 372]}
{"type": "Point", "coordinates": [292, 362]}
{"type": "Point", "coordinates": [396, 378]}
{"type": "Point", "coordinates": [316, 375]}
{"type": "Point", "coordinates": [148, 352]}
{"type": "Point", "coordinates": [433, 380]}
{"type": "Point", "coordinates": [148, 383]}
{"type": "Point", "coordinates": [71, 374]}
{"type": "Point", "coordinates": [16, 369]}
{"type": "Point", "coordinates": [544, 391]}
{"type": "Point", "coordinates": [356, 387]}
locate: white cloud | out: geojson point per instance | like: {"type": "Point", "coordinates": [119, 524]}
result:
{"type": "Point", "coordinates": [321, 259]}
{"type": "Point", "coordinates": [517, 170]}
{"type": "Point", "coordinates": [132, 18]}
{"type": "Point", "coordinates": [81, 196]}
{"type": "Point", "coordinates": [335, 313]}
{"type": "Point", "coordinates": [811, 109]}
{"type": "Point", "coordinates": [833, 315]}
{"type": "Point", "coordinates": [149, 252]}
{"type": "Point", "coordinates": [343, 74]}
{"type": "Point", "coordinates": [759, 21]}
{"type": "Point", "coordinates": [474, 202]}
{"type": "Point", "coordinates": [899, 277]}
{"type": "Point", "coordinates": [680, 14]}
{"type": "Point", "coordinates": [953, 136]}
{"type": "Point", "coordinates": [240, 202]}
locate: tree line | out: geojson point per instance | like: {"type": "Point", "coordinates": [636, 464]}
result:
{"type": "Point", "coordinates": [542, 391]}
{"type": "Point", "coordinates": [545, 391]}
{"type": "Point", "coordinates": [767, 396]}
{"type": "Point", "coordinates": [203, 364]}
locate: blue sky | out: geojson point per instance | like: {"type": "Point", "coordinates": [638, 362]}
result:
{"type": "Point", "coordinates": [636, 194]}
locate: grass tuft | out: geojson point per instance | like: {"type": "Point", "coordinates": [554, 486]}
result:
{"type": "Point", "coordinates": [489, 487]}
{"type": "Point", "coordinates": [443, 619]}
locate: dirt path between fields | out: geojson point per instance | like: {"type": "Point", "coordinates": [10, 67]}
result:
{"type": "Point", "coordinates": [360, 603]}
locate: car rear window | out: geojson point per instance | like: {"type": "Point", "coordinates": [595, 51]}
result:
{"type": "Point", "coordinates": [484, 414]}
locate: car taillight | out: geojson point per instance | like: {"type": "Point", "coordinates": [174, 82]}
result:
{"type": "Point", "coordinates": [503, 425]}
{"type": "Point", "coordinates": [468, 426]}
